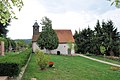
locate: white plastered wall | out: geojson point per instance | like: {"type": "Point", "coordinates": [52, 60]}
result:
{"type": "Point", "coordinates": [35, 46]}
{"type": "Point", "coordinates": [63, 48]}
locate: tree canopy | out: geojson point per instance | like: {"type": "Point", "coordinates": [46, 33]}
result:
{"type": "Point", "coordinates": [7, 9]}
{"type": "Point", "coordinates": [104, 35]}
{"type": "Point", "coordinates": [115, 2]}
{"type": "Point", "coordinates": [48, 38]}
{"type": "Point", "coordinates": [3, 29]}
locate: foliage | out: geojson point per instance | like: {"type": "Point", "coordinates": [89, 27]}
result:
{"type": "Point", "coordinates": [48, 38]}
{"type": "Point", "coordinates": [71, 68]}
{"type": "Point", "coordinates": [114, 68]}
{"type": "Point", "coordinates": [83, 40]}
{"type": "Point", "coordinates": [3, 30]}
{"type": "Point", "coordinates": [8, 43]}
{"type": "Point", "coordinates": [102, 49]}
{"type": "Point", "coordinates": [13, 44]}
{"type": "Point", "coordinates": [19, 59]}
{"type": "Point", "coordinates": [9, 69]}
{"type": "Point", "coordinates": [5, 42]}
{"type": "Point", "coordinates": [20, 44]}
{"type": "Point", "coordinates": [113, 58]}
{"type": "Point", "coordinates": [30, 44]}
{"type": "Point", "coordinates": [70, 45]}
{"type": "Point", "coordinates": [115, 2]}
{"type": "Point", "coordinates": [7, 9]}
{"type": "Point", "coordinates": [10, 65]}
{"type": "Point", "coordinates": [42, 60]}
{"type": "Point", "coordinates": [105, 35]}
{"type": "Point", "coordinates": [111, 38]}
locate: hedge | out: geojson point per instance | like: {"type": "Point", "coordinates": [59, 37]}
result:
{"type": "Point", "coordinates": [9, 69]}
{"type": "Point", "coordinates": [15, 63]}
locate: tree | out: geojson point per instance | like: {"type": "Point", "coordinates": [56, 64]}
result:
{"type": "Point", "coordinates": [111, 38]}
{"type": "Point", "coordinates": [70, 45]}
{"type": "Point", "coordinates": [13, 44]}
{"type": "Point", "coordinates": [97, 37]}
{"type": "Point", "coordinates": [3, 30]}
{"type": "Point", "coordinates": [115, 2]}
{"type": "Point", "coordinates": [83, 40]}
{"type": "Point", "coordinates": [7, 11]}
{"type": "Point", "coordinates": [48, 38]}
{"type": "Point", "coordinates": [20, 44]}
{"type": "Point", "coordinates": [104, 38]}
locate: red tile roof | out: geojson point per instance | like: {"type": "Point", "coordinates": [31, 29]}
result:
{"type": "Point", "coordinates": [64, 36]}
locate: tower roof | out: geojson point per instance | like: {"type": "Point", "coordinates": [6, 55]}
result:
{"type": "Point", "coordinates": [36, 24]}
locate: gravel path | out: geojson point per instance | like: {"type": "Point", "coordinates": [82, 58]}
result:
{"type": "Point", "coordinates": [99, 60]}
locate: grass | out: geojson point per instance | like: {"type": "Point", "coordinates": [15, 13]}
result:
{"type": "Point", "coordinates": [71, 68]}
{"type": "Point", "coordinates": [11, 53]}
{"type": "Point", "coordinates": [105, 59]}
{"type": "Point", "coordinates": [14, 57]}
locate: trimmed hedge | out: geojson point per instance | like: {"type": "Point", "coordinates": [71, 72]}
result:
{"type": "Point", "coordinates": [15, 63]}
{"type": "Point", "coordinates": [9, 69]}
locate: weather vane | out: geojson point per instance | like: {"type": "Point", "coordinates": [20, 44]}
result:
{"type": "Point", "coordinates": [35, 20]}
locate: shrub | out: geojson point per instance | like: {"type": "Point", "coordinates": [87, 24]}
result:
{"type": "Point", "coordinates": [114, 68]}
{"type": "Point", "coordinates": [42, 59]}
{"type": "Point", "coordinates": [9, 69]}
{"type": "Point", "coordinates": [113, 58]}
{"type": "Point", "coordinates": [88, 54]}
{"type": "Point", "coordinates": [16, 62]}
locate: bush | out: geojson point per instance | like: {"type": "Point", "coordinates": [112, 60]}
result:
{"type": "Point", "coordinates": [88, 54]}
{"type": "Point", "coordinates": [16, 62]}
{"type": "Point", "coordinates": [113, 58]}
{"type": "Point", "coordinates": [114, 68]}
{"type": "Point", "coordinates": [9, 69]}
{"type": "Point", "coordinates": [42, 60]}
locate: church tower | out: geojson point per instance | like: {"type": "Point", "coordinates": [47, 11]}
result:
{"type": "Point", "coordinates": [35, 28]}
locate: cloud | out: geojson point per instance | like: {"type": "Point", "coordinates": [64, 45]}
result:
{"type": "Point", "coordinates": [57, 6]}
{"type": "Point", "coordinates": [65, 14]}
{"type": "Point", "coordinates": [22, 28]}
{"type": "Point", "coordinates": [113, 15]}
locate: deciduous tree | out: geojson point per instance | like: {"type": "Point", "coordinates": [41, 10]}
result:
{"type": "Point", "coordinates": [7, 9]}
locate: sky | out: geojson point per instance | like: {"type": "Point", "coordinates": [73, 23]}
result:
{"type": "Point", "coordinates": [65, 14]}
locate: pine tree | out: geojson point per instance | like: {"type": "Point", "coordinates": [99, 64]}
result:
{"type": "Point", "coordinates": [110, 37]}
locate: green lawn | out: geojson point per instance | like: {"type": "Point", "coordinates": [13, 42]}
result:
{"type": "Point", "coordinates": [71, 68]}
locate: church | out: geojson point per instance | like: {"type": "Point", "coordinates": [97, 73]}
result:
{"type": "Point", "coordinates": [64, 36]}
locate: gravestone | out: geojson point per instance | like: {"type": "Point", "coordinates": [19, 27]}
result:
{"type": "Point", "coordinates": [1, 48]}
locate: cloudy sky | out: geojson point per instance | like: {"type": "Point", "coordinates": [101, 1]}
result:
{"type": "Point", "coordinates": [65, 14]}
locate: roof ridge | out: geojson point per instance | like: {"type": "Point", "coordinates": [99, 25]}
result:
{"type": "Point", "coordinates": [61, 29]}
